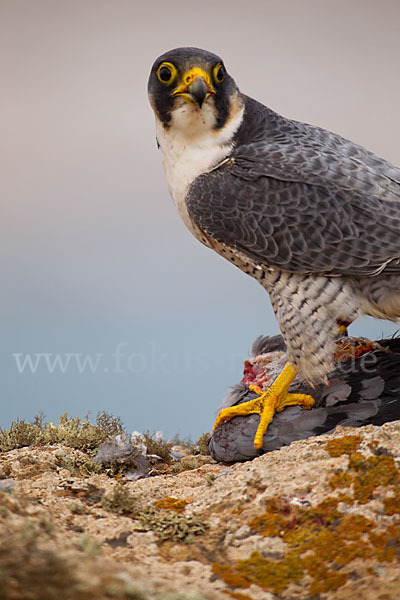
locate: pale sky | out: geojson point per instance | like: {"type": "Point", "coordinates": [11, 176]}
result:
{"type": "Point", "coordinates": [94, 258]}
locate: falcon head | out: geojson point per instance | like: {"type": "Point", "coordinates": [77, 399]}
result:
{"type": "Point", "coordinates": [190, 89]}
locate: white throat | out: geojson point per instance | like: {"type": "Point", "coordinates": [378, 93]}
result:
{"type": "Point", "coordinates": [191, 146]}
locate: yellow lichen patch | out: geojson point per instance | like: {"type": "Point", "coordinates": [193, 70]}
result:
{"type": "Point", "coordinates": [353, 526]}
{"type": "Point", "coordinates": [329, 547]}
{"type": "Point", "coordinates": [270, 574]}
{"type": "Point", "coordinates": [386, 543]}
{"type": "Point", "coordinates": [340, 480]}
{"type": "Point", "coordinates": [322, 541]}
{"type": "Point", "coordinates": [345, 498]}
{"type": "Point", "coordinates": [343, 445]}
{"type": "Point", "coordinates": [323, 514]}
{"type": "Point", "coordinates": [268, 524]}
{"type": "Point", "coordinates": [230, 576]}
{"type": "Point", "coordinates": [170, 503]}
{"type": "Point", "coordinates": [370, 473]}
{"type": "Point", "coordinates": [326, 581]}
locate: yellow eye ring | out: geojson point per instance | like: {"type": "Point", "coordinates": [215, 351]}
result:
{"type": "Point", "coordinates": [166, 73]}
{"type": "Point", "coordinates": [218, 72]}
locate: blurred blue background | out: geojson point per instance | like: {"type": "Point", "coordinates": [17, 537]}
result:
{"type": "Point", "coordinates": [94, 258]}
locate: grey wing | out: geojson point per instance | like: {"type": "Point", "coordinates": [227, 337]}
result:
{"type": "Point", "coordinates": [303, 208]}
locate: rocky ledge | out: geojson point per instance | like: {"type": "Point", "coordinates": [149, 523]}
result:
{"type": "Point", "coordinates": [318, 519]}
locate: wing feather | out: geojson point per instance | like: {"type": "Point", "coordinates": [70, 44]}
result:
{"type": "Point", "coordinates": [308, 201]}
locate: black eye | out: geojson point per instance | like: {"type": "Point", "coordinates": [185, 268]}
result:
{"type": "Point", "coordinates": [218, 73]}
{"type": "Point", "coordinates": [166, 72]}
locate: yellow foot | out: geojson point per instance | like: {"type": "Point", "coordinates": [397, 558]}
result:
{"type": "Point", "coordinates": [270, 401]}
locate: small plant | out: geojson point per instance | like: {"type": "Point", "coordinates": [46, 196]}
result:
{"type": "Point", "coordinates": [70, 431]}
{"type": "Point", "coordinates": [185, 465]}
{"type": "Point", "coordinates": [169, 525]}
{"type": "Point", "coordinates": [121, 501]}
{"type": "Point", "coordinates": [201, 446]}
{"type": "Point", "coordinates": [156, 445]}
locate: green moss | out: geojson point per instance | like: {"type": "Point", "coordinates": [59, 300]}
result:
{"type": "Point", "coordinates": [343, 445]}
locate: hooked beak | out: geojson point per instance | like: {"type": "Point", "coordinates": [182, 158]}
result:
{"type": "Point", "coordinates": [198, 90]}
{"type": "Point", "coordinates": [196, 87]}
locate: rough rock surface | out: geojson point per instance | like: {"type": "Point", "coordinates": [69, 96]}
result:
{"type": "Point", "coordinates": [316, 519]}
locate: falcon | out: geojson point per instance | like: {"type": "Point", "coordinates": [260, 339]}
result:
{"type": "Point", "coordinates": [312, 216]}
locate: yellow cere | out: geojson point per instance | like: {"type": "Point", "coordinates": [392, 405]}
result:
{"type": "Point", "coordinates": [190, 76]}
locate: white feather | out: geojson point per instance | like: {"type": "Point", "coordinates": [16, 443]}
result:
{"type": "Point", "coordinates": [191, 146]}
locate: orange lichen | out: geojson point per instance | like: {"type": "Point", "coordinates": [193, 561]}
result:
{"type": "Point", "coordinates": [321, 540]}
{"type": "Point", "coordinates": [271, 574]}
{"type": "Point", "coordinates": [345, 498]}
{"type": "Point", "coordinates": [392, 504]}
{"type": "Point", "coordinates": [386, 543]}
{"type": "Point", "coordinates": [268, 524]}
{"type": "Point", "coordinates": [230, 576]}
{"type": "Point", "coordinates": [171, 503]}
{"type": "Point", "coordinates": [340, 480]}
{"type": "Point", "coordinates": [370, 473]}
{"type": "Point", "coordinates": [353, 526]}
{"type": "Point", "coordinates": [343, 445]}
{"type": "Point", "coordinates": [326, 581]}
{"type": "Point", "coordinates": [237, 511]}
